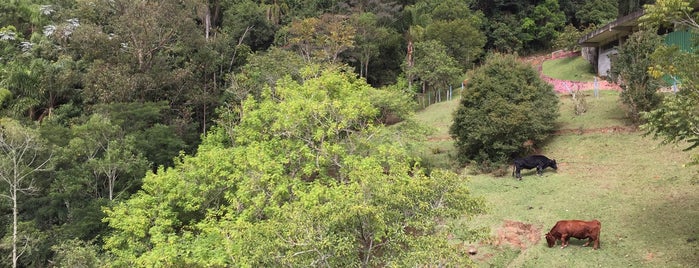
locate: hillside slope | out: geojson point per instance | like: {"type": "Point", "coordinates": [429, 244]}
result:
{"type": "Point", "coordinates": [641, 191]}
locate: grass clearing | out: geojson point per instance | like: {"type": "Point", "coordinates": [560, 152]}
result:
{"type": "Point", "coordinates": [571, 68]}
{"type": "Point", "coordinates": [603, 112]}
{"type": "Point", "coordinates": [439, 147]}
{"type": "Point", "coordinates": [646, 199]}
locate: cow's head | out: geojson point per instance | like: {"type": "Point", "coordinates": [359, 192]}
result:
{"type": "Point", "coordinates": [552, 164]}
{"type": "Point", "coordinates": [550, 239]}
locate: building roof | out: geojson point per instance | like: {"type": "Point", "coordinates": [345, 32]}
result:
{"type": "Point", "coordinates": [611, 31]}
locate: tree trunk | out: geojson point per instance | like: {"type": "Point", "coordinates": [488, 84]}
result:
{"type": "Point", "coordinates": [19, 149]}
{"type": "Point", "coordinates": [111, 173]}
{"type": "Point", "coordinates": [207, 22]}
{"type": "Point", "coordinates": [14, 225]}
{"type": "Point", "coordinates": [366, 68]}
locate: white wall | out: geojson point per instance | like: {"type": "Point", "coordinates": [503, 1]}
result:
{"type": "Point", "coordinates": [604, 63]}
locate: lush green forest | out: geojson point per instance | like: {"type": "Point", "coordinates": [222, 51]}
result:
{"type": "Point", "coordinates": [241, 132]}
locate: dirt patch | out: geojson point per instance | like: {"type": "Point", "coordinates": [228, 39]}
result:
{"type": "Point", "coordinates": [565, 131]}
{"type": "Point", "coordinates": [517, 234]}
{"type": "Point", "coordinates": [649, 256]}
{"type": "Point", "coordinates": [613, 129]}
{"type": "Point", "coordinates": [439, 138]}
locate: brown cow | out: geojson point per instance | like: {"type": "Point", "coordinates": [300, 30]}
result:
{"type": "Point", "coordinates": [564, 230]}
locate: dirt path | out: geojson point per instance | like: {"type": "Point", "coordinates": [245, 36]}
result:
{"type": "Point", "coordinates": [612, 129]}
{"type": "Point", "coordinates": [566, 86]}
{"type": "Point", "coordinates": [565, 131]}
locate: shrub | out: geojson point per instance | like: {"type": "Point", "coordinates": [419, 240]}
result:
{"type": "Point", "coordinates": [504, 105]}
{"type": "Point", "coordinates": [580, 102]}
{"type": "Point", "coordinates": [630, 69]}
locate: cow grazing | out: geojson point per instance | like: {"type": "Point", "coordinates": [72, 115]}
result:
{"type": "Point", "coordinates": [539, 162]}
{"type": "Point", "coordinates": [564, 230]}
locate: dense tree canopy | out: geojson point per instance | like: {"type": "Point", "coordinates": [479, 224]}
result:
{"type": "Point", "coordinates": [194, 94]}
{"type": "Point", "coordinates": [629, 6]}
{"type": "Point", "coordinates": [597, 12]}
{"type": "Point", "coordinates": [304, 178]}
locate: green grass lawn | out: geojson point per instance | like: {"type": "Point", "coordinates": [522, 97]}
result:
{"type": "Point", "coordinates": [603, 112]}
{"type": "Point", "coordinates": [439, 146]}
{"type": "Point", "coordinates": [572, 68]}
{"type": "Point", "coordinates": [646, 199]}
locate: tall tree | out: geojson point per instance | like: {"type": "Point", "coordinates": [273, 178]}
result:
{"type": "Point", "coordinates": [462, 38]}
{"type": "Point", "coordinates": [629, 6]}
{"type": "Point", "coordinates": [157, 52]}
{"type": "Point", "coordinates": [504, 34]}
{"type": "Point", "coordinates": [252, 23]}
{"type": "Point", "coordinates": [40, 85]}
{"type": "Point", "coordinates": [264, 69]}
{"type": "Point", "coordinates": [94, 163]}
{"type": "Point", "coordinates": [368, 39]}
{"type": "Point", "coordinates": [303, 178]}
{"type": "Point", "coordinates": [568, 38]}
{"type": "Point", "coordinates": [677, 117]}
{"type": "Point", "coordinates": [453, 24]}
{"type": "Point", "coordinates": [320, 39]}
{"type": "Point", "coordinates": [630, 69]}
{"type": "Point", "coordinates": [543, 25]}
{"type": "Point", "coordinates": [110, 154]}
{"type": "Point", "coordinates": [597, 12]}
{"type": "Point", "coordinates": [34, 67]}
{"type": "Point", "coordinates": [433, 66]}
{"type": "Point", "coordinates": [22, 155]}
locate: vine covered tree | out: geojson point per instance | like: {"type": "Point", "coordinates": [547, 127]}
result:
{"type": "Point", "coordinates": [504, 104]}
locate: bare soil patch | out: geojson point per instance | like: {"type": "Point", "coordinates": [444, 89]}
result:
{"type": "Point", "coordinates": [649, 256]}
{"type": "Point", "coordinates": [567, 131]}
{"type": "Point", "coordinates": [517, 234]}
{"type": "Point", "coordinates": [439, 138]}
{"type": "Point", "coordinates": [612, 129]}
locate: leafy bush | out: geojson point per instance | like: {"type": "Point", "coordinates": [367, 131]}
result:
{"type": "Point", "coordinates": [630, 69]}
{"type": "Point", "coordinates": [580, 102]}
{"type": "Point", "coordinates": [504, 105]}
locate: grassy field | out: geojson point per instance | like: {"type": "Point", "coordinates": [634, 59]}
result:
{"type": "Point", "coordinates": [573, 68]}
{"type": "Point", "coordinates": [646, 199]}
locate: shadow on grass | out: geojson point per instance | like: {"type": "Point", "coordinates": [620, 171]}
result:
{"type": "Point", "coordinates": [671, 222]}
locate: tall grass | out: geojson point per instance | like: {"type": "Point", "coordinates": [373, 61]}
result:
{"type": "Point", "coordinates": [641, 191]}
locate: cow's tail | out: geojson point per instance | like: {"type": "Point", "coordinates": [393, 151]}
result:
{"type": "Point", "coordinates": [513, 169]}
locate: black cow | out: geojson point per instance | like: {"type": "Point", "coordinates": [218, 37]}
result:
{"type": "Point", "coordinates": [539, 162]}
